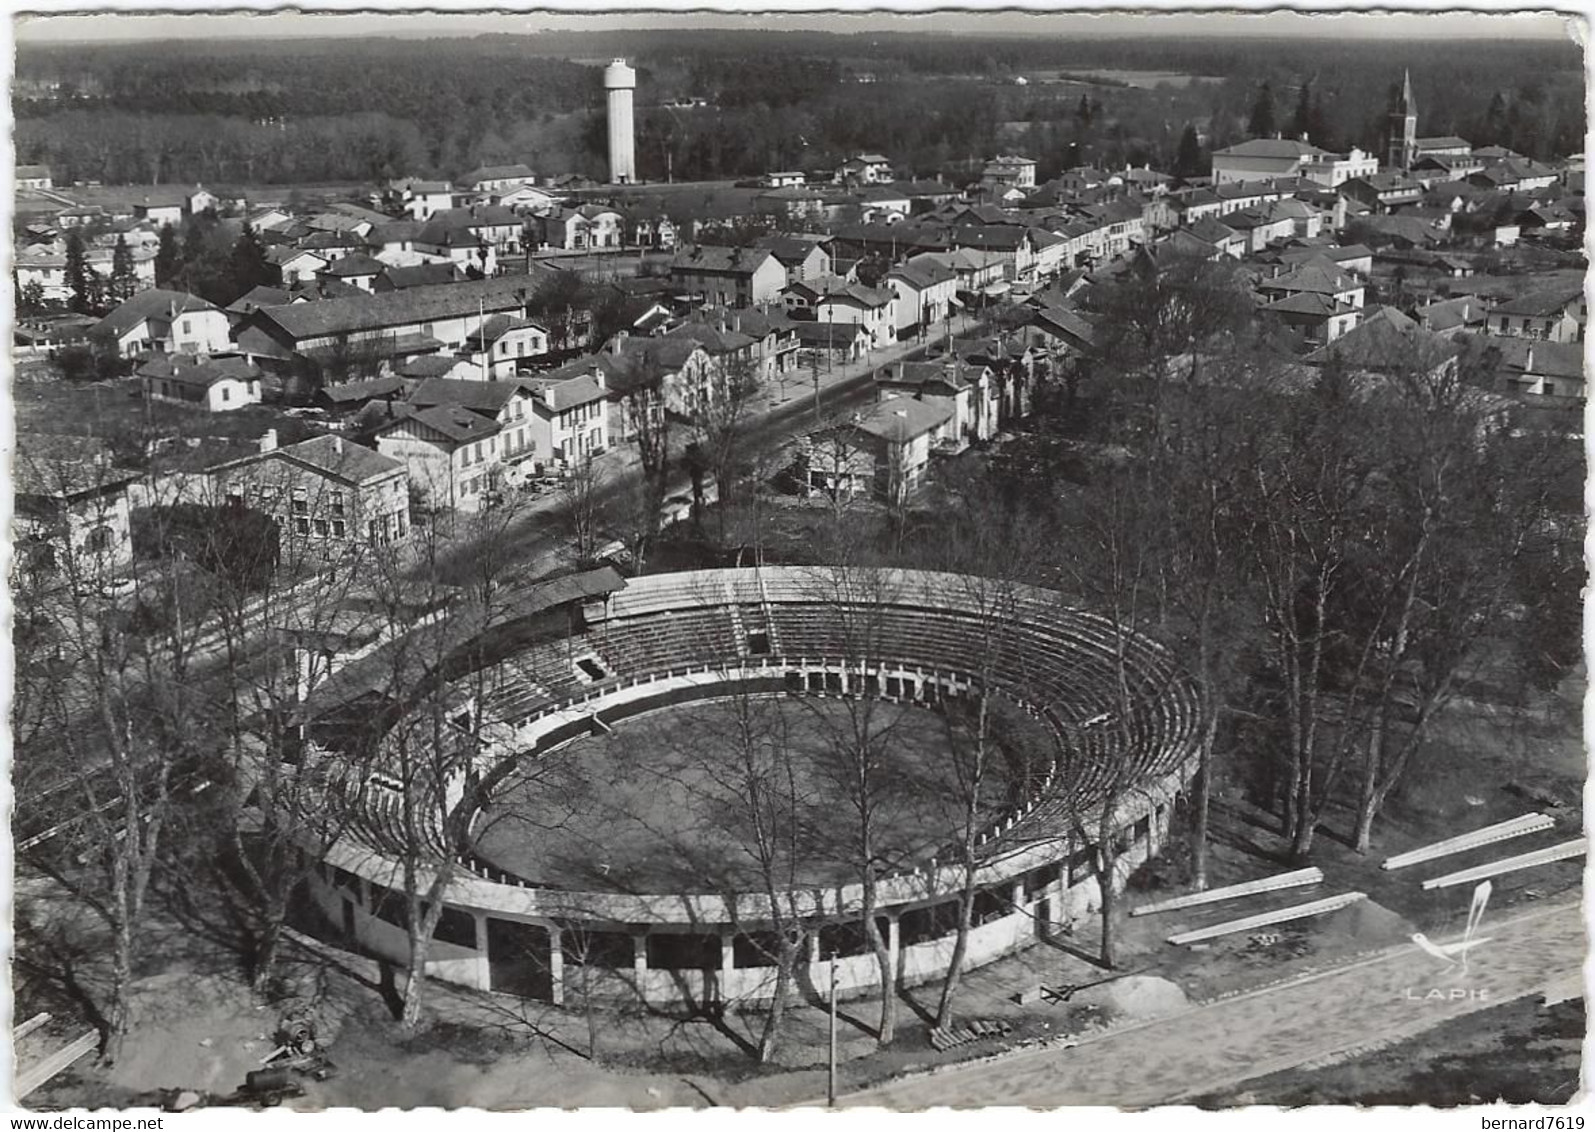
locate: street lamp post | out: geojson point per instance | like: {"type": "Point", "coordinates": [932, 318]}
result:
{"type": "Point", "coordinates": [830, 1077]}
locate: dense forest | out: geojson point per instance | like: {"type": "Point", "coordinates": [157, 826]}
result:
{"type": "Point", "coordinates": [263, 111]}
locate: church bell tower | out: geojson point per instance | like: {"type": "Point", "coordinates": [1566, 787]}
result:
{"type": "Point", "coordinates": [1402, 127]}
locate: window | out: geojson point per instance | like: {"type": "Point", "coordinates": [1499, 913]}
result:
{"type": "Point", "coordinates": [300, 506]}
{"type": "Point", "coordinates": [302, 525]}
{"type": "Point", "coordinates": [187, 328]}
{"type": "Point", "coordinates": [227, 394]}
{"type": "Point", "coordinates": [321, 528]}
{"type": "Point", "coordinates": [337, 503]}
{"type": "Point", "coordinates": [337, 528]}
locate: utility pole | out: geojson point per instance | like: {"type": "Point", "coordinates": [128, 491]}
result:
{"type": "Point", "coordinates": [830, 1078]}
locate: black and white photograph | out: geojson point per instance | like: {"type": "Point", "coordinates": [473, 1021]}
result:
{"type": "Point", "coordinates": [789, 560]}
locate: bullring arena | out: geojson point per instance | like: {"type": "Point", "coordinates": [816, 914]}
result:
{"type": "Point", "coordinates": [622, 719]}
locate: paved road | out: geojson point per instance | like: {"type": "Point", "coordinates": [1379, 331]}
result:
{"type": "Point", "coordinates": [1389, 997]}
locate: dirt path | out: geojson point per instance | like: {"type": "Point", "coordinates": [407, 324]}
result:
{"type": "Point", "coordinates": [1392, 996]}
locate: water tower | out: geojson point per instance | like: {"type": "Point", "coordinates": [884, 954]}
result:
{"type": "Point", "coordinates": [620, 80]}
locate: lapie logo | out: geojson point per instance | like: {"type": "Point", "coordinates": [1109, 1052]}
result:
{"type": "Point", "coordinates": [1456, 954]}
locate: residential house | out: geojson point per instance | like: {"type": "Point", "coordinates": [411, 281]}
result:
{"type": "Point", "coordinates": [1384, 192]}
{"type": "Point", "coordinates": [451, 453]}
{"type": "Point", "coordinates": [44, 265]}
{"type": "Point", "coordinates": [1311, 318]}
{"type": "Point", "coordinates": [528, 200]}
{"type": "Point", "coordinates": [970, 391]}
{"type": "Point", "coordinates": [327, 494]}
{"type": "Point", "coordinates": [500, 228]}
{"type": "Point", "coordinates": [172, 322]}
{"type": "Point", "coordinates": [1450, 317]}
{"type": "Point", "coordinates": [864, 169]}
{"type": "Point", "coordinates": [421, 199]}
{"type": "Point", "coordinates": [421, 275]}
{"type": "Point", "coordinates": [1342, 287]}
{"type": "Point", "coordinates": [833, 300]}
{"type": "Point", "coordinates": [803, 257]}
{"type": "Point", "coordinates": [679, 368]}
{"type": "Point", "coordinates": [497, 178]}
{"type": "Point", "coordinates": [73, 520]}
{"type": "Point", "coordinates": [588, 227]}
{"type": "Point", "coordinates": [570, 418]}
{"type": "Point", "coordinates": [216, 384]}
{"type": "Point", "coordinates": [469, 254]}
{"type": "Point", "coordinates": [503, 344]}
{"type": "Point", "coordinates": [783, 180]}
{"type": "Point", "coordinates": [884, 451]}
{"type": "Point", "coordinates": [830, 343]}
{"type": "Point", "coordinates": [1009, 172]}
{"type": "Point", "coordinates": [1335, 169]}
{"type": "Point", "coordinates": [728, 277]}
{"type": "Point", "coordinates": [1227, 240]}
{"type": "Point", "coordinates": [883, 204]}
{"type": "Point", "coordinates": [295, 265]}
{"type": "Point", "coordinates": [1552, 316]}
{"type": "Point", "coordinates": [926, 291]}
{"type": "Point", "coordinates": [1388, 342]}
{"type": "Point", "coordinates": [773, 333]}
{"type": "Point", "coordinates": [1543, 369]}
{"type": "Point", "coordinates": [32, 177]}
{"type": "Point", "coordinates": [357, 270]}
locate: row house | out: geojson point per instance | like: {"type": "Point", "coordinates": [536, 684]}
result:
{"type": "Point", "coordinates": [327, 495]}
{"type": "Point", "coordinates": [1334, 169]}
{"type": "Point", "coordinates": [1265, 158]}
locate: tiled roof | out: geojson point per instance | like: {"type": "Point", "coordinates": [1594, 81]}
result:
{"type": "Point", "coordinates": [354, 265]}
{"type": "Point", "coordinates": [720, 261]}
{"type": "Point", "coordinates": [485, 397]}
{"type": "Point", "coordinates": [1540, 304]}
{"type": "Point", "coordinates": [1271, 148]}
{"type": "Point", "coordinates": [560, 394]}
{"type": "Point", "coordinates": [422, 275]}
{"type": "Point", "coordinates": [496, 173]}
{"type": "Point", "coordinates": [898, 420]}
{"type": "Point", "coordinates": [199, 374]}
{"type": "Point", "coordinates": [393, 308]}
{"type": "Point", "coordinates": [154, 303]}
{"type": "Point", "coordinates": [341, 459]}
{"type": "Point", "coordinates": [457, 423]}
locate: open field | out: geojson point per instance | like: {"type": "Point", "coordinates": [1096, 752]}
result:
{"type": "Point", "coordinates": [659, 806]}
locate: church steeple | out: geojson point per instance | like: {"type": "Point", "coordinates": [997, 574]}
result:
{"type": "Point", "coordinates": [1402, 128]}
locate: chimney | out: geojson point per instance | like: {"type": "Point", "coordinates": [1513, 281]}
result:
{"type": "Point", "coordinates": [1528, 361]}
{"type": "Point", "coordinates": [268, 442]}
{"type": "Point", "coordinates": [337, 445]}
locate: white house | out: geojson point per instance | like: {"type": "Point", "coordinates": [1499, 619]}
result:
{"type": "Point", "coordinates": [834, 301]}
{"type": "Point", "coordinates": [219, 384]}
{"type": "Point", "coordinates": [169, 321]}
{"type": "Point", "coordinates": [73, 518]}
{"type": "Point", "coordinates": [502, 344]}
{"type": "Point", "coordinates": [925, 290]}
{"type": "Point", "coordinates": [497, 178]}
{"type": "Point", "coordinates": [569, 419]}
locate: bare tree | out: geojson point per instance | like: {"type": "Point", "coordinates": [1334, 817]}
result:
{"type": "Point", "coordinates": [718, 412]}
{"type": "Point", "coordinates": [105, 716]}
{"type": "Point", "coordinates": [580, 506]}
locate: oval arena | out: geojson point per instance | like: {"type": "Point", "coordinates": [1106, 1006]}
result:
{"type": "Point", "coordinates": [621, 722]}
